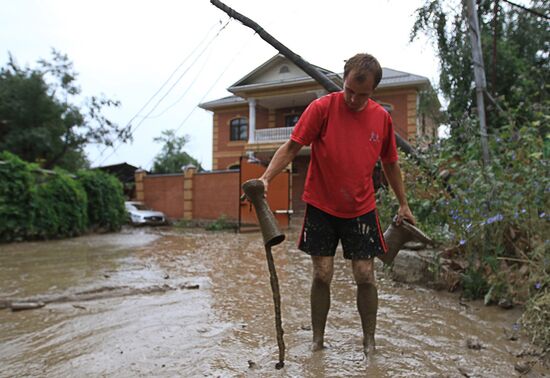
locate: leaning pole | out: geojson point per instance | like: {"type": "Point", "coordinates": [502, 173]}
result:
{"type": "Point", "coordinates": [308, 68]}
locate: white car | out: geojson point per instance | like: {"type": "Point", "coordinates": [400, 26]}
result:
{"type": "Point", "coordinates": [140, 215]}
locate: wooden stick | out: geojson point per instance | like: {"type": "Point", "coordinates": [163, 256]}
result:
{"type": "Point", "coordinates": [277, 302]}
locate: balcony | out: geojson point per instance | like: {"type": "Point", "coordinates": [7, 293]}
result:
{"type": "Point", "coordinates": [273, 135]}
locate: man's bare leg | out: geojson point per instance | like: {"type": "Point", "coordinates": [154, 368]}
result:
{"type": "Point", "coordinates": [323, 268]}
{"type": "Point", "coordinates": [367, 300]}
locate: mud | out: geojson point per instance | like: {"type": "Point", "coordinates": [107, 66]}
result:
{"type": "Point", "coordinates": [140, 319]}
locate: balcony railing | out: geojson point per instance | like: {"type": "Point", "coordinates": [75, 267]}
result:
{"type": "Point", "coordinates": [278, 134]}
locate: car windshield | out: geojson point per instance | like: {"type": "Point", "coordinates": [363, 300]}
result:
{"type": "Point", "coordinates": [140, 206]}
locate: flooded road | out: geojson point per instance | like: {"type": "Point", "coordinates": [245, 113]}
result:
{"type": "Point", "coordinates": [191, 303]}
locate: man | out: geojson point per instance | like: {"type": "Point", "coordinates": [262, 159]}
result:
{"type": "Point", "coordinates": [348, 132]}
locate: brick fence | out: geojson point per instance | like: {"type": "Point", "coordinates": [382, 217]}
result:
{"type": "Point", "coordinates": [190, 194]}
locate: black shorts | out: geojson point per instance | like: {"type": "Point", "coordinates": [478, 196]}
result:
{"type": "Point", "coordinates": [361, 237]}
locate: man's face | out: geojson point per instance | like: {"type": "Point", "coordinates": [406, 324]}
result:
{"type": "Point", "coordinates": [356, 94]}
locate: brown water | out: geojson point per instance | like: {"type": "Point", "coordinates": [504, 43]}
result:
{"type": "Point", "coordinates": [142, 320]}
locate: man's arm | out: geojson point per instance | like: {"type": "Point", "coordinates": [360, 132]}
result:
{"type": "Point", "coordinates": [393, 174]}
{"type": "Point", "coordinates": [284, 155]}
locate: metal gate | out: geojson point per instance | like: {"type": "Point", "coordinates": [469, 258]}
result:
{"type": "Point", "coordinates": [278, 196]}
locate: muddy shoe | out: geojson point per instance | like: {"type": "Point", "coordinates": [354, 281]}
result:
{"type": "Point", "coordinates": [396, 236]}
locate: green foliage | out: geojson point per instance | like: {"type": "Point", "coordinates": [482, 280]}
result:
{"type": "Point", "coordinates": [105, 200]}
{"type": "Point", "coordinates": [474, 284]}
{"type": "Point", "coordinates": [40, 204]}
{"type": "Point", "coordinates": [172, 157]}
{"type": "Point", "coordinates": [60, 207]}
{"type": "Point", "coordinates": [40, 119]}
{"type": "Point", "coordinates": [515, 52]}
{"type": "Point", "coordinates": [16, 197]}
{"type": "Point", "coordinates": [495, 216]}
{"type": "Point", "coordinates": [220, 224]}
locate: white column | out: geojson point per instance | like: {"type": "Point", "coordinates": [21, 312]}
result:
{"type": "Point", "coordinates": [251, 119]}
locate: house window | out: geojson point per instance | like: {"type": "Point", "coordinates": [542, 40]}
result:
{"type": "Point", "coordinates": [291, 119]}
{"type": "Point", "coordinates": [284, 69]}
{"type": "Point", "coordinates": [238, 129]}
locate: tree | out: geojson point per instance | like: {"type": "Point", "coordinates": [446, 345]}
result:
{"type": "Point", "coordinates": [40, 119]}
{"type": "Point", "coordinates": [172, 157]}
{"type": "Point", "coordinates": [516, 54]}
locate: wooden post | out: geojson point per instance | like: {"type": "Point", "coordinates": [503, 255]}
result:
{"type": "Point", "coordinates": [479, 75]}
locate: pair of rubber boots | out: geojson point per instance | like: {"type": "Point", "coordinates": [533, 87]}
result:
{"type": "Point", "coordinates": [396, 236]}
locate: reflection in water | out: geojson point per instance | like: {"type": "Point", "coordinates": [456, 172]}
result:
{"type": "Point", "coordinates": [227, 326]}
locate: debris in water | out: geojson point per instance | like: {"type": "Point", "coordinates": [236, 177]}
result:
{"type": "Point", "coordinates": [523, 367]}
{"type": "Point", "coordinates": [20, 306]}
{"type": "Point", "coordinates": [474, 343]}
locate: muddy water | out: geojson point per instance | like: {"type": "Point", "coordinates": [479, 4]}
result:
{"type": "Point", "coordinates": [226, 327]}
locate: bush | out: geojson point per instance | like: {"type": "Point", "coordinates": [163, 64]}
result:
{"type": "Point", "coordinates": [16, 198]}
{"type": "Point", "coordinates": [494, 218]}
{"type": "Point", "coordinates": [105, 200]}
{"type": "Point", "coordinates": [39, 204]}
{"type": "Point", "coordinates": [60, 207]}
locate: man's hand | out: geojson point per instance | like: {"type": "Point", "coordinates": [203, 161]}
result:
{"type": "Point", "coordinates": [404, 212]}
{"type": "Point", "coordinates": [264, 180]}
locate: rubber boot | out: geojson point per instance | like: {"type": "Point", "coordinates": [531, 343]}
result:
{"type": "Point", "coordinates": [396, 236]}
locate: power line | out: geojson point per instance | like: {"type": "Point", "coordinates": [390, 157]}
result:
{"type": "Point", "coordinates": [532, 11]}
{"type": "Point", "coordinates": [129, 123]}
{"type": "Point", "coordinates": [239, 52]}
{"type": "Point", "coordinates": [203, 66]}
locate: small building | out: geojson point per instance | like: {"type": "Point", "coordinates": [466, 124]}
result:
{"type": "Point", "coordinates": [126, 174]}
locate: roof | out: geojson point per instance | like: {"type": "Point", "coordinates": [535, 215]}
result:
{"type": "Point", "coordinates": [124, 171]}
{"type": "Point", "coordinates": [272, 75]}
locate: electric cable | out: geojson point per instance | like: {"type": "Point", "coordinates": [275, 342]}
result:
{"type": "Point", "coordinates": [239, 52]}
{"type": "Point", "coordinates": [129, 123]}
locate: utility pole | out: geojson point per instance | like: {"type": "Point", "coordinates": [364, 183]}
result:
{"type": "Point", "coordinates": [479, 75]}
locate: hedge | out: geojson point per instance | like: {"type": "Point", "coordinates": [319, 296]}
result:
{"type": "Point", "coordinates": [39, 204]}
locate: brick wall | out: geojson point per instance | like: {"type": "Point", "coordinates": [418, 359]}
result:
{"type": "Point", "coordinates": [216, 193]}
{"type": "Point", "coordinates": [164, 193]}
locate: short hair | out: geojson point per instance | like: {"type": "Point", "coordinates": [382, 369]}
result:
{"type": "Point", "coordinates": [363, 64]}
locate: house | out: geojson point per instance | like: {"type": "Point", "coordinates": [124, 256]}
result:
{"type": "Point", "coordinates": [258, 117]}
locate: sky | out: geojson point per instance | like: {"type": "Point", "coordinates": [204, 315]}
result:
{"type": "Point", "coordinates": [162, 58]}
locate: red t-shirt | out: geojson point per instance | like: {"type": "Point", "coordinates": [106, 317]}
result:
{"type": "Point", "coordinates": [345, 146]}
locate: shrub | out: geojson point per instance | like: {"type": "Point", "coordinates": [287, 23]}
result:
{"type": "Point", "coordinates": [60, 207]}
{"type": "Point", "coordinates": [495, 217]}
{"type": "Point", "coordinates": [105, 200]}
{"type": "Point", "coordinates": [40, 204]}
{"type": "Point", "coordinates": [16, 197]}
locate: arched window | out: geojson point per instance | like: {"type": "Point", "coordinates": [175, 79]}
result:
{"type": "Point", "coordinates": [284, 69]}
{"type": "Point", "coordinates": [238, 129]}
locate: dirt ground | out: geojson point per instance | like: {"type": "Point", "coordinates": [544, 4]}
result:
{"type": "Point", "coordinates": [191, 303]}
